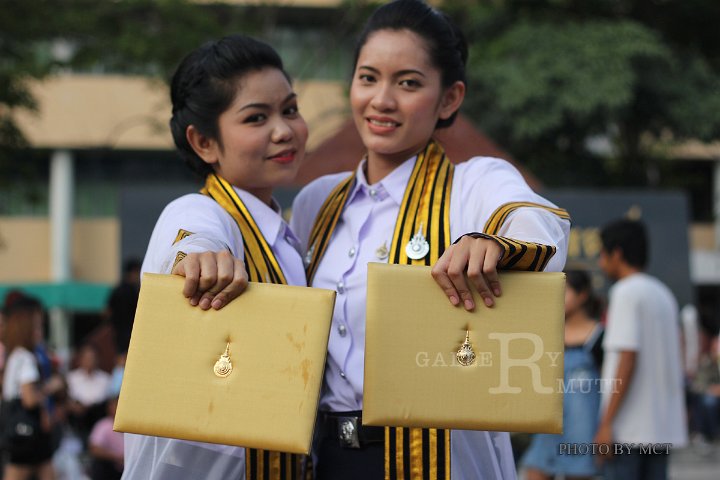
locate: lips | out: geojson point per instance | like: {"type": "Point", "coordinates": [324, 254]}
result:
{"type": "Point", "coordinates": [382, 125]}
{"type": "Point", "coordinates": [286, 156]}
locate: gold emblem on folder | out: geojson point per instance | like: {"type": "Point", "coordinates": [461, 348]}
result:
{"type": "Point", "coordinates": [465, 354]}
{"type": "Point", "coordinates": [223, 367]}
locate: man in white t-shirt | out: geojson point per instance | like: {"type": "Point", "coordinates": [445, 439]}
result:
{"type": "Point", "coordinates": [642, 394]}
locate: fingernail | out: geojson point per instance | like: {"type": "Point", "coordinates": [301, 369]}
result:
{"type": "Point", "coordinates": [497, 291]}
{"type": "Point", "coordinates": [205, 303]}
{"type": "Point", "coordinates": [454, 300]}
{"type": "Point", "coordinates": [489, 302]}
{"type": "Point", "coordinates": [469, 305]}
{"type": "Point", "coordinates": [217, 304]}
{"type": "Point", "coordinates": [194, 301]}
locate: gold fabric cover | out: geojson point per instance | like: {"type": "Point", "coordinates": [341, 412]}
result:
{"type": "Point", "coordinates": [412, 375]}
{"type": "Point", "coordinates": [278, 338]}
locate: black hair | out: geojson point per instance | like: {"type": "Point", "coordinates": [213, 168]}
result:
{"type": "Point", "coordinates": [17, 302]}
{"type": "Point", "coordinates": [581, 282]}
{"type": "Point", "coordinates": [205, 84]}
{"type": "Point", "coordinates": [445, 42]}
{"type": "Point", "coordinates": [130, 265]}
{"type": "Point", "coordinates": [630, 236]}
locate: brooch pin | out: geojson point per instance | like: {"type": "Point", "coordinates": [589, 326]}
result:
{"type": "Point", "coordinates": [382, 252]}
{"type": "Point", "coordinates": [223, 367]}
{"type": "Point", "coordinates": [308, 256]}
{"type": "Point", "coordinates": [418, 246]}
{"type": "Point", "coordinates": [465, 354]}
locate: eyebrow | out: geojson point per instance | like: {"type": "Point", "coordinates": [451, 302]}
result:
{"type": "Point", "coordinates": [397, 74]}
{"type": "Point", "coordinates": [267, 106]}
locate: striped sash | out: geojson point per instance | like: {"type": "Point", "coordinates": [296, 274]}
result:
{"type": "Point", "coordinates": [262, 266]}
{"type": "Point", "coordinates": [260, 261]}
{"type": "Point", "coordinates": [410, 453]}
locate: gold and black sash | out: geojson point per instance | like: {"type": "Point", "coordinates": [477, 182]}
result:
{"type": "Point", "coordinates": [260, 261]}
{"type": "Point", "coordinates": [414, 453]}
{"type": "Point", "coordinates": [262, 266]}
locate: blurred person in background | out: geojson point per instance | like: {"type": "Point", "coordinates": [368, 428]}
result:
{"type": "Point", "coordinates": [116, 375]}
{"type": "Point", "coordinates": [642, 362]}
{"type": "Point", "coordinates": [705, 394]}
{"type": "Point", "coordinates": [581, 402]}
{"type": "Point", "coordinates": [88, 388]}
{"type": "Point", "coordinates": [123, 302]}
{"type": "Point", "coordinates": [49, 374]}
{"type": "Point", "coordinates": [106, 447]}
{"type": "Point", "coordinates": [29, 456]}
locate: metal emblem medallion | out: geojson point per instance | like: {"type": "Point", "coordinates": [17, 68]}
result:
{"type": "Point", "coordinates": [223, 367]}
{"type": "Point", "coordinates": [465, 354]}
{"type": "Point", "coordinates": [309, 256]}
{"type": "Point", "coordinates": [418, 246]}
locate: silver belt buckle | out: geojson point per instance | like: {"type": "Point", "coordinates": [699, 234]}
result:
{"type": "Point", "coordinates": [348, 432]}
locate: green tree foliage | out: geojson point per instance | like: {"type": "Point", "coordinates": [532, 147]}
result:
{"type": "Point", "coordinates": [549, 76]}
{"type": "Point", "coordinates": [148, 37]}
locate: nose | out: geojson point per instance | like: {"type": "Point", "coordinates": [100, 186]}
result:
{"type": "Point", "coordinates": [282, 132]}
{"type": "Point", "coordinates": [383, 98]}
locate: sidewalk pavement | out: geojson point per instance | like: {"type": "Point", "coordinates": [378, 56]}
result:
{"type": "Point", "coordinates": [696, 462]}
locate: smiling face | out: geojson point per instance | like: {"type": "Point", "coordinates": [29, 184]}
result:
{"type": "Point", "coordinates": [261, 135]}
{"type": "Point", "coordinates": [397, 96]}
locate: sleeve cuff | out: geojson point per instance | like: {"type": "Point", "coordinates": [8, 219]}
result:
{"type": "Point", "coordinates": [518, 255]}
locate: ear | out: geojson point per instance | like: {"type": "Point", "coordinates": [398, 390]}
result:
{"type": "Point", "coordinates": [205, 147]}
{"type": "Point", "coordinates": [452, 99]}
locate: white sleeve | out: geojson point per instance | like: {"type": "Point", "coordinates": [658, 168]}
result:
{"type": "Point", "coordinates": [540, 226]}
{"type": "Point", "coordinates": [190, 224]}
{"type": "Point", "coordinates": [622, 331]}
{"type": "Point", "coordinates": [486, 185]}
{"type": "Point", "coordinates": [27, 369]}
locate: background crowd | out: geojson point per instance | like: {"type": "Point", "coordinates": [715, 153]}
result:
{"type": "Point", "coordinates": [70, 406]}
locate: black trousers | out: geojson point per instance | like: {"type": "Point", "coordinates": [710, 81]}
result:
{"type": "Point", "coordinates": [335, 462]}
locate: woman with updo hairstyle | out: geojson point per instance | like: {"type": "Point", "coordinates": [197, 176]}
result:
{"type": "Point", "coordinates": [406, 203]}
{"type": "Point", "coordinates": [581, 400]}
{"type": "Point", "coordinates": [236, 123]}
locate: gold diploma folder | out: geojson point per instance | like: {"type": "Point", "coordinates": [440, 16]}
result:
{"type": "Point", "coordinates": [414, 376]}
{"type": "Point", "coordinates": [276, 338]}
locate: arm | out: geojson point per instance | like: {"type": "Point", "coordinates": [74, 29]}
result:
{"type": "Point", "coordinates": [481, 255]}
{"type": "Point", "coordinates": [502, 225]}
{"type": "Point", "coordinates": [623, 377]}
{"type": "Point", "coordinates": [30, 396]}
{"type": "Point", "coordinates": [194, 238]}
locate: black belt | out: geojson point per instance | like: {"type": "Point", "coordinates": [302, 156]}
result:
{"type": "Point", "coordinates": [347, 427]}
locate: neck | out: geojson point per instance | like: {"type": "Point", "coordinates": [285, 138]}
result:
{"type": "Point", "coordinates": [262, 194]}
{"type": "Point", "coordinates": [576, 317]}
{"type": "Point", "coordinates": [378, 167]}
{"type": "Point", "coordinates": [625, 270]}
